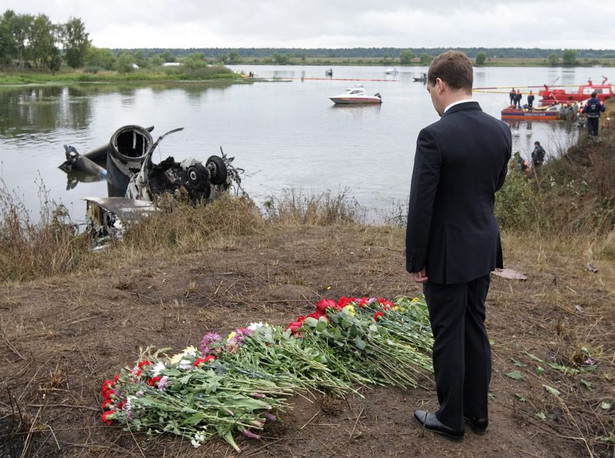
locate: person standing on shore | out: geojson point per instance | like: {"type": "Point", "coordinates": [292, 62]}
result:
{"type": "Point", "coordinates": [453, 240]}
{"type": "Point", "coordinates": [538, 155]}
{"type": "Point", "coordinates": [593, 108]}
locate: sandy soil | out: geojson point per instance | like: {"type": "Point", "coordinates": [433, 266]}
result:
{"type": "Point", "coordinates": [60, 338]}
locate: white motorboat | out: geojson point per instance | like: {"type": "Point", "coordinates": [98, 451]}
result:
{"type": "Point", "coordinates": [356, 95]}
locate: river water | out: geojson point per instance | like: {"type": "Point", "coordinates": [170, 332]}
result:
{"type": "Point", "coordinates": [285, 134]}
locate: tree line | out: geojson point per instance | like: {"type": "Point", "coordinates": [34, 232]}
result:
{"type": "Point", "coordinates": [27, 40]}
{"type": "Point", "coordinates": [355, 53]}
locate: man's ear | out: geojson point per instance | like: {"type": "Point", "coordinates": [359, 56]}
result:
{"type": "Point", "coordinates": [439, 85]}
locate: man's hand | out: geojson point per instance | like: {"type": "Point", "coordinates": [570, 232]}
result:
{"type": "Point", "coordinates": [420, 277]}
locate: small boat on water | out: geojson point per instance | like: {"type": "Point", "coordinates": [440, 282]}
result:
{"type": "Point", "coordinates": [391, 71]}
{"type": "Point", "coordinates": [603, 91]}
{"type": "Point", "coordinates": [356, 96]}
{"type": "Point", "coordinates": [550, 113]}
{"type": "Point", "coordinates": [420, 79]}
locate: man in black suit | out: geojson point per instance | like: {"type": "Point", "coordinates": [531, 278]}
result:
{"type": "Point", "coordinates": [453, 240]}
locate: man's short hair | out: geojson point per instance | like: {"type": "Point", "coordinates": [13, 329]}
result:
{"type": "Point", "coordinates": [454, 68]}
{"type": "Point", "coordinates": [594, 94]}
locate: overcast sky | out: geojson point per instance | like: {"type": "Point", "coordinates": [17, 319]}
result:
{"type": "Point", "coordinates": [561, 24]}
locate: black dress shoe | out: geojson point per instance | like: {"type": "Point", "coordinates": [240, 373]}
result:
{"type": "Point", "coordinates": [430, 422]}
{"type": "Point", "coordinates": [477, 425]}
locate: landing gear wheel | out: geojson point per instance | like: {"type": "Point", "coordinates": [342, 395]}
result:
{"type": "Point", "coordinates": [217, 167]}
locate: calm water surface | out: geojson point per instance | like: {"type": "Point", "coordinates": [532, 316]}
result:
{"type": "Point", "coordinates": [285, 135]}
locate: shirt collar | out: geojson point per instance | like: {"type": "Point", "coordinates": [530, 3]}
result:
{"type": "Point", "coordinates": [457, 103]}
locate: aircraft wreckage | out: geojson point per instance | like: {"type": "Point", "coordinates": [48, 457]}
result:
{"type": "Point", "coordinates": [134, 181]}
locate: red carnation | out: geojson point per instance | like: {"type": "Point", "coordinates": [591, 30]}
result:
{"type": "Point", "coordinates": [154, 380]}
{"type": "Point", "coordinates": [378, 315]}
{"type": "Point", "coordinates": [204, 360]}
{"type": "Point", "coordinates": [105, 417]}
{"type": "Point", "coordinates": [323, 304]}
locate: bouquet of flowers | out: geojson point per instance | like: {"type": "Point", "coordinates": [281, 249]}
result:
{"type": "Point", "coordinates": [236, 384]}
{"type": "Point", "coordinates": [194, 397]}
{"type": "Point", "coordinates": [374, 339]}
{"type": "Point", "coordinates": [276, 351]}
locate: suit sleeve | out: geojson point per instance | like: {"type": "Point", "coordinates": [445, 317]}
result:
{"type": "Point", "coordinates": [425, 178]}
{"type": "Point", "coordinates": [504, 170]}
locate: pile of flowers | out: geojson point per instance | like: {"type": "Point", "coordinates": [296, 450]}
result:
{"type": "Point", "coordinates": [238, 383]}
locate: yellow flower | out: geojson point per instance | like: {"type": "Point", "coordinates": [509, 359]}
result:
{"type": "Point", "coordinates": [231, 335]}
{"type": "Point", "coordinates": [187, 351]}
{"type": "Point", "coordinates": [350, 309]}
{"type": "Point", "coordinates": [176, 358]}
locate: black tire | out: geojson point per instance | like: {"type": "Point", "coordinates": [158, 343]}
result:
{"type": "Point", "coordinates": [217, 168]}
{"type": "Point", "coordinates": [198, 174]}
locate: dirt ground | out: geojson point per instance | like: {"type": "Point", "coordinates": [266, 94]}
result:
{"type": "Point", "coordinates": [60, 338]}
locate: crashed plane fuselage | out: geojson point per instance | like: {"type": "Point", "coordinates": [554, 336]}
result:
{"type": "Point", "coordinates": [127, 167]}
{"type": "Point", "coordinates": [126, 164]}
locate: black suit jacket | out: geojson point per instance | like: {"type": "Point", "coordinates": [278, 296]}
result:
{"type": "Point", "coordinates": [460, 162]}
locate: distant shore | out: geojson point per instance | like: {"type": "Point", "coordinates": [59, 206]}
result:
{"type": "Point", "coordinates": [160, 75]}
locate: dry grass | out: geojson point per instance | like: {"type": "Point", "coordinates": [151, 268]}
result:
{"type": "Point", "coordinates": [30, 249]}
{"type": "Point", "coordinates": [296, 208]}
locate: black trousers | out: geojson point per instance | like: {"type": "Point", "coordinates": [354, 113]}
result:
{"type": "Point", "coordinates": [592, 126]}
{"type": "Point", "coordinates": [461, 352]}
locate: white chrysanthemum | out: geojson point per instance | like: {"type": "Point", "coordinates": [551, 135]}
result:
{"type": "Point", "coordinates": [255, 326]}
{"type": "Point", "coordinates": [158, 368]}
{"type": "Point", "coordinates": [185, 365]}
{"type": "Point", "coordinates": [199, 438]}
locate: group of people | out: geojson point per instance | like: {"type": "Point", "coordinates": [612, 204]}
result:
{"type": "Point", "coordinates": [516, 97]}
{"type": "Point", "coordinates": [592, 108]}
{"type": "Point", "coordinates": [521, 164]}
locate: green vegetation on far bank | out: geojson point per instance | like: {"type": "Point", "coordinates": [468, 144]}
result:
{"type": "Point", "coordinates": [205, 73]}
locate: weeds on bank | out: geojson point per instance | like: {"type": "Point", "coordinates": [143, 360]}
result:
{"type": "Point", "coordinates": [184, 227]}
{"type": "Point", "coordinates": [32, 250]}
{"type": "Point", "coordinates": [572, 194]}
{"type": "Point", "coordinates": [36, 249]}
{"type": "Point", "coordinates": [295, 208]}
